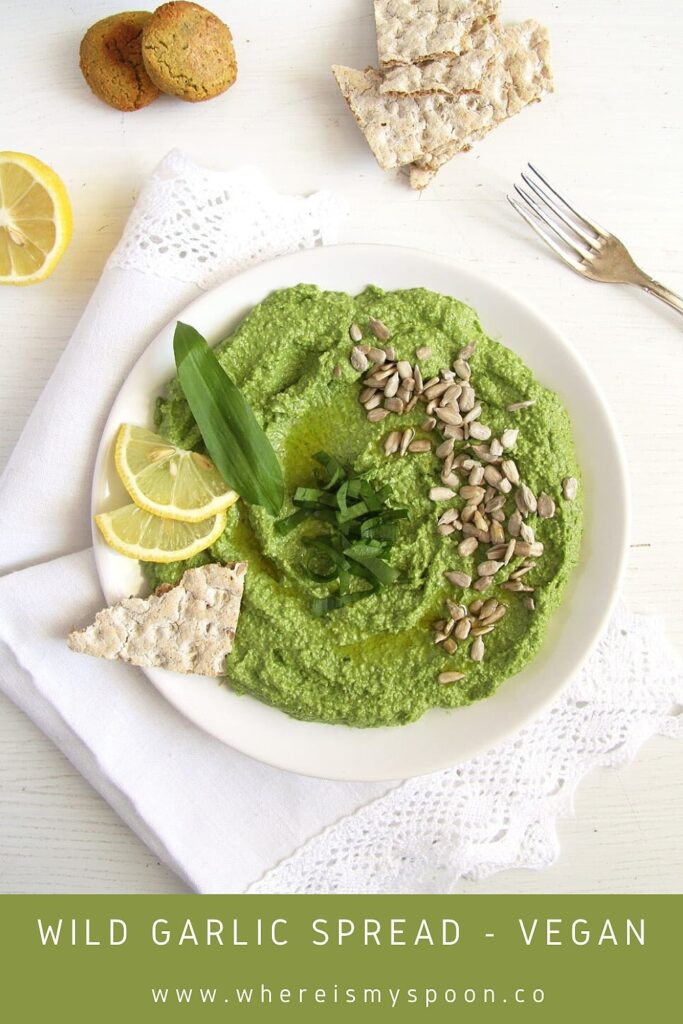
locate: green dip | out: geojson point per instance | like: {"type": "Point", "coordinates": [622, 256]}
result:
{"type": "Point", "coordinates": [374, 663]}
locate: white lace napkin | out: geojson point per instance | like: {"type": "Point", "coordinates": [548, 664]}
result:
{"type": "Point", "coordinates": [226, 823]}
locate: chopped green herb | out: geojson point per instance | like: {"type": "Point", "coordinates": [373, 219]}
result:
{"type": "Point", "coordinates": [363, 531]}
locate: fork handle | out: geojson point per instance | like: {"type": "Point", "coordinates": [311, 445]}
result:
{"type": "Point", "coordinates": [665, 294]}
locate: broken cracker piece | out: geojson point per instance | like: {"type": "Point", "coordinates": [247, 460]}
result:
{"type": "Point", "coordinates": [428, 129]}
{"type": "Point", "coordinates": [416, 30]}
{"type": "Point", "coordinates": [188, 628]}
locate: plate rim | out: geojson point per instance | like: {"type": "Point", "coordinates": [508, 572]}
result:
{"type": "Point", "coordinates": [499, 734]}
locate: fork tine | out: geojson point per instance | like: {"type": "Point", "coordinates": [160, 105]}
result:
{"type": "Point", "coordinates": [543, 216]}
{"type": "Point", "coordinates": [567, 221]}
{"type": "Point", "coordinates": [586, 220]}
{"type": "Point", "coordinates": [533, 223]}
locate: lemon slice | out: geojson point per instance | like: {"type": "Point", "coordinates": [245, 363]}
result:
{"type": "Point", "coordinates": [35, 219]}
{"type": "Point", "coordinates": [170, 482]}
{"type": "Point", "coordinates": [138, 534]}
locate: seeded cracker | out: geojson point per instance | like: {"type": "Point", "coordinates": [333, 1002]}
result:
{"type": "Point", "coordinates": [450, 77]}
{"type": "Point", "coordinates": [416, 30]}
{"type": "Point", "coordinates": [189, 628]}
{"type": "Point", "coordinates": [427, 130]}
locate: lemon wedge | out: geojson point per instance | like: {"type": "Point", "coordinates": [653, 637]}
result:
{"type": "Point", "coordinates": [35, 219]}
{"type": "Point", "coordinates": [168, 481]}
{"type": "Point", "coordinates": [138, 534]}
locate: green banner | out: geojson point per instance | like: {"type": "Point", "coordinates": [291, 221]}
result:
{"type": "Point", "coordinates": [359, 958]}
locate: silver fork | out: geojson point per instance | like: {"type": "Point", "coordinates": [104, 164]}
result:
{"type": "Point", "coordinates": [581, 243]}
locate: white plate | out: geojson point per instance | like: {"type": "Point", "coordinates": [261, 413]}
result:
{"type": "Point", "coordinates": [442, 737]}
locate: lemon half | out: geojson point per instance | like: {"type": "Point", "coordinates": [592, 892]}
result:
{"type": "Point", "coordinates": [35, 219]}
{"type": "Point", "coordinates": [138, 534]}
{"type": "Point", "coordinates": [168, 481]}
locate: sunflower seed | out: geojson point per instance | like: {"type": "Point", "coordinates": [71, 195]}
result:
{"type": "Point", "coordinates": [440, 637]}
{"type": "Point", "coordinates": [406, 437]}
{"type": "Point", "coordinates": [428, 424]}
{"type": "Point", "coordinates": [377, 415]}
{"type": "Point", "coordinates": [449, 516]}
{"type": "Point", "coordinates": [509, 467]}
{"type": "Point", "coordinates": [417, 377]}
{"type": "Point", "coordinates": [450, 479]}
{"type": "Point", "coordinates": [496, 448]}
{"type": "Point", "coordinates": [358, 360]}
{"type": "Point", "coordinates": [439, 625]}
{"type": "Point", "coordinates": [444, 449]}
{"type": "Point", "coordinates": [497, 533]}
{"type": "Point", "coordinates": [429, 383]}
{"type": "Point", "coordinates": [355, 333]}
{"type": "Point", "coordinates": [458, 579]}
{"type": "Point", "coordinates": [396, 405]}
{"type": "Point", "coordinates": [476, 606]}
{"type": "Point", "coordinates": [480, 432]}
{"type": "Point", "coordinates": [337, 372]}
{"type": "Point", "coordinates": [521, 405]}
{"type": "Point", "coordinates": [462, 368]}
{"type": "Point", "coordinates": [518, 573]}
{"type": "Point", "coordinates": [404, 394]}
{"type": "Point", "coordinates": [456, 611]}
{"type": "Point", "coordinates": [509, 437]}
{"type": "Point", "coordinates": [378, 378]}
{"type": "Point", "coordinates": [450, 677]}
{"type": "Point", "coordinates": [526, 533]}
{"type": "Point", "coordinates": [420, 446]}
{"type": "Point", "coordinates": [446, 374]}
{"type": "Point", "coordinates": [481, 630]}
{"type": "Point", "coordinates": [455, 432]}
{"type": "Point", "coordinates": [495, 616]}
{"type": "Point", "coordinates": [365, 394]}
{"type": "Point", "coordinates": [412, 403]}
{"type": "Point", "coordinates": [488, 606]}
{"type": "Point", "coordinates": [467, 398]}
{"type": "Point", "coordinates": [404, 368]}
{"type": "Point", "coordinates": [391, 352]}
{"type": "Point", "coordinates": [380, 330]}
{"type": "Point", "coordinates": [509, 551]}
{"type": "Point", "coordinates": [546, 506]}
{"type": "Point", "coordinates": [488, 568]}
{"type": "Point", "coordinates": [570, 487]}
{"type": "Point", "coordinates": [377, 355]}
{"type": "Point", "coordinates": [472, 494]}
{"type": "Point", "coordinates": [451, 394]}
{"type": "Point", "coordinates": [424, 352]}
{"type": "Point", "coordinates": [517, 587]}
{"type": "Point", "coordinates": [441, 494]}
{"type": "Point", "coordinates": [473, 414]}
{"type": "Point", "coordinates": [528, 602]}
{"type": "Point", "coordinates": [483, 583]}
{"type": "Point", "coordinates": [496, 551]}
{"type": "Point", "coordinates": [467, 351]}
{"type": "Point", "coordinates": [391, 442]}
{"type": "Point", "coordinates": [476, 476]}
{"type": "Point", "coordinates": [462, 629]}
{"type": "Point", "coordinates": [467, 514]}
{"type": "Point", "coordinates": [479, 521]}
{"type": "Point", "coordinates": [391, 386]}
{"type": "Point", "coordinates": [477, 649]}
{"type": "Point", "coordinates": [468, 546]}
{"type": "Point", "coordinates": [431, 406]}
{"type": "Point", "coordinates": [373, 401]}
{"type": "Point", "coordinates": [492, 476]}
{"type": "Point", "coordinates": [536, 549]}
{"type": "Point", "coordinates": [495, 504]}
{"type": "Point", "coordinates": [515, 523]}
{"type": "Point", "coordinates": [450, 647]}
{"type": "Point", "coordinates": [448, 415]}
{"type": "Point", "coordinates": [436, 390]}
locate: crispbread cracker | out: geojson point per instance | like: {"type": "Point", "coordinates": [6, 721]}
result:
{"type": "Point", "coordinates": [451, 77]}
{"type": "Point", "coordinates": [408, 128]}
{"type": "Point", "coordinates": [187, 628]}
{"type": "Point", "coordinates": [416, 30]}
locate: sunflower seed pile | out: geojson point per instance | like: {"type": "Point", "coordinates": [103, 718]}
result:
{"type": "Point", "coordinates": [495, 522]}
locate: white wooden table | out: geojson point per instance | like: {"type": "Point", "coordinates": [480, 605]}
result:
{"type": "Point", "coordinates": [612, 135]}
